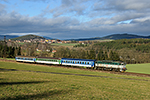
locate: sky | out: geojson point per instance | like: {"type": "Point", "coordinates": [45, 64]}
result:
{"type": "Point", "coordinates": [73, 19]}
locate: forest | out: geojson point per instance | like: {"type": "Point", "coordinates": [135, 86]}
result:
{"type": "Point", "coordinates": [9, 51]}
{"type": "Point", "coordinates": [127, 50]}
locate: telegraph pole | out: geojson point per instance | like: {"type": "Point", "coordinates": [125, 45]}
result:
{"type": "Point", "coordinates": [4, 47]}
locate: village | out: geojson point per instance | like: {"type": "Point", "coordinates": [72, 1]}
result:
{"type": "Point", "coordinates": [49, 41]}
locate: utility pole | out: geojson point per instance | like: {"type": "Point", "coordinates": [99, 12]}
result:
{"type": "Point", "coordinates": [4, 47]}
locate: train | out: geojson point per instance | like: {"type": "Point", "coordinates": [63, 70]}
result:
{"type": "Point", "coordinates": [110, 65]}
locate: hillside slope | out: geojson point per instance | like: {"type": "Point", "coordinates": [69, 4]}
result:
{"type": "Point", "coordinates": [28, 37]}
{"type": "Point", "coordinates": [113, 37]}
{"type": "Point", "coordinates": [123, 36]}
{"type": "Point", "coordinates": [7, 36]}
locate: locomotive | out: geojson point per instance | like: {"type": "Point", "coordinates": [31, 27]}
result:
{"type": "Point", "coordinates": [88, 63]}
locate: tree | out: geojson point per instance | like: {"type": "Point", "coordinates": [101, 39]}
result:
{"type": "Point", "coordinates": [92, 54]}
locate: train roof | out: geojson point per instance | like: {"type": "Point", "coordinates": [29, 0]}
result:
{"type": "Point", "coordinates": [78, 59]}
{"type": "Point", "coordinates": [110, 61]}
{"type": "Point", "coordinates": [48, 58]}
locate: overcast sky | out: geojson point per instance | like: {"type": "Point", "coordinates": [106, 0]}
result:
{"type": "Point", "coordinates": [72, 19]}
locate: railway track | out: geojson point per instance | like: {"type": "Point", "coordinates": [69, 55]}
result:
{"type": "Point", "coordinates": [112, 72]}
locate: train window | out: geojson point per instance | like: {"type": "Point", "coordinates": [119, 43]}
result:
{"type": "Point", "coordinates": [71, 61]}
{"type": "Point", "coordinates": [75, 62]}
{"type": "Point", "coordinates": [80, 62]}
{"type": "Point", "coordinates": [64, 60]}
{"type": "Point", "coordinates": [85, 62]}
{"type": "Point", "coordinates": [88, 63]}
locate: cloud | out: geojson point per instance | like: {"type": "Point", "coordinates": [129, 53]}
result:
{"type": "Point", "coordinates": [2, 9]}
{"type": "Point", "coordinates": [100, 18]}
{"type": "Point", "coordinates": [71, 7]}
{"type": "Point", "coordinates": [119, 5]}
{"type": "Point", "coordinates": [37, 0]}
{"type": "Point", "coordinates": [5, 0]}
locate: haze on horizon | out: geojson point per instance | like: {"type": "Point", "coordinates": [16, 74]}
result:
{"type": "Point", "coordinates": [66, 19]}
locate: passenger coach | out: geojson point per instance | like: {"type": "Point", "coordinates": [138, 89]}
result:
{"type": "Point", "coordinates": [25, 59]}
{"type": "Point", "coordinates": [48, 60]}
{"type": "Point", "coordinates": [78, 62]}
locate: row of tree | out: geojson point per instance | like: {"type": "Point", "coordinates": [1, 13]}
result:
{"type": "Point", "coordinates": [129, 50]}
{"type": "Point", "coordinates": [140, 45]}
{"type": "Point", "coordinates": [9, 52]}
{"type": "Point", "coordinates": [86, 54]}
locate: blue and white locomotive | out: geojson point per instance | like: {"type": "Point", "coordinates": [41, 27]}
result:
{"type": "Point", "coordinates": [88, 63]}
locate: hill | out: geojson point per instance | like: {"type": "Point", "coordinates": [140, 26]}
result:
{"type": "Point", "coordinates": [7, 36]}
{"type": "Point", "coordinates": [114, 37]}
{"type": "Point", "coordinates": [123, 36]}
{"type": "Point", "coordinates": [28, 37]}
{"type": "Point", "coordinates": [109, 37]}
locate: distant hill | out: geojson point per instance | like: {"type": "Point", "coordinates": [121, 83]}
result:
{"type": "Point", "coordinates": [113, 37]}
{"type": "Point", "coordinates": [48, 37]}
{"type": "Point", "coordinates": [123, 36]}
{"type": "Point", "coordinates": [28, 37]}
{"type": "Point", "coordinates": [7, 36]}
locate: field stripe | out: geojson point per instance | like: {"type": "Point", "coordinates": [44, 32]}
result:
{"type": "Point", "coordinates": [2, 69]}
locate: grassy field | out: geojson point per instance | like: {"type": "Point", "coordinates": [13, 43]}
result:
{"type": "Point", "coordinates": [22, 84]}
{"type": "Point", "coordinates": [8, 58]}
{"type": "Point", "coordinates": [64, 44]}
{"type": "Point", "coordinates": [139, 68]}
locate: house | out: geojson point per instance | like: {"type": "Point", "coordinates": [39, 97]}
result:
{"type": "Point", "coordinates": [54, 51]}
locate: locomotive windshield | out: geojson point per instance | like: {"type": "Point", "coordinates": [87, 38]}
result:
{"type": "Point", "coordinates": [123, 63]}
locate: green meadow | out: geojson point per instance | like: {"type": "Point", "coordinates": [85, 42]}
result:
{"type": "Point", "coordinates": [36, 82]}
{"type": "Point", "coordinates": [139, 68]}
{"type": "Point", "coordinates": [64, 44]}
